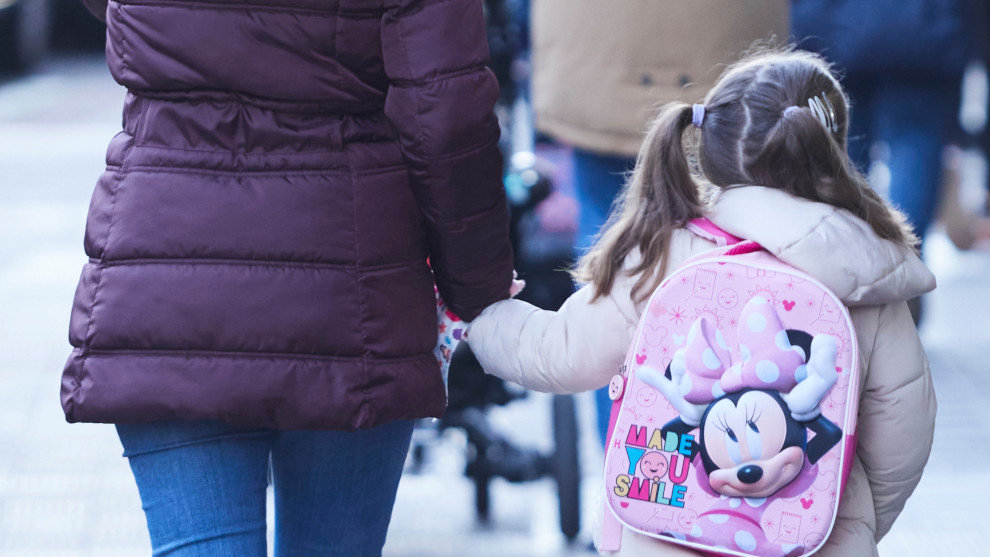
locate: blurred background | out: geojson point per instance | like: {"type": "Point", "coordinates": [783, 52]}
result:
{"type": "Point", "coordinates": [507, 472]}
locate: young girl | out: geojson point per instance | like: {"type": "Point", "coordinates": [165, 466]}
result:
{"type": "Point", "coordinates": [771, 151]}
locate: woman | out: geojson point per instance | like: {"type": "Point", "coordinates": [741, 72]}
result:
{"type": "Point", "coordinates": [258, 280]}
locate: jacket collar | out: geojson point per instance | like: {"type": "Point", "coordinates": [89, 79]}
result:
{"type": "Point", "coordinates": [828, 243]}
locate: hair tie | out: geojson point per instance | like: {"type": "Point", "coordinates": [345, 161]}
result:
{"type": "Point", "coordinates": [789, 110]}
{"type": "Point", "coordinates": [697, 115]}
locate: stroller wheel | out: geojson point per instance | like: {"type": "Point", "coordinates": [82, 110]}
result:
{"type": "Point", "coordinates": [566, 471]}
{"type": "Point", "coordinates": [482, 500]}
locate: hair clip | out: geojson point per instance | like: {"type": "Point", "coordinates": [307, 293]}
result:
{"type": "Point", "coordinates": [822, 108]}
{"type": "Point", "coordinates": [697, 115]}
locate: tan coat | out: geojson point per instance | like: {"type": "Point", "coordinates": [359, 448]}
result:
{"type": "Point", "coordinates": [600, 68]}
{"type": "Point", "coordinates": [582, 346]}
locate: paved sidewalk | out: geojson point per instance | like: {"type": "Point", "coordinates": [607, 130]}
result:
{"type": "Point", "coordinates": [65, 490]}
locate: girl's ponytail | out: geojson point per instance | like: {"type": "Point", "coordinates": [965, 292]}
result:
{"type": "Point", "coordinates": [800, 155]}
{"type": "Point", "coordinates": [659, 196]}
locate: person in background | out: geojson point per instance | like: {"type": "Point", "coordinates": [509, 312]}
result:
{"type": "Point", "coordinates": [258, 287]}
{"type": "Point", "coordinates": [601, 68]}
{"type": "Point", "coordinates": [902, 63]}
{"type": "Point", "coordinates": [966, 222]}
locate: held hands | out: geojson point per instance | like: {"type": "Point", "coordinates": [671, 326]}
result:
{"type": "Point", "coordinates": [514, 289]}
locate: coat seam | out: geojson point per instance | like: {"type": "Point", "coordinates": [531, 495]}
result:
{"type": "Point", "coordinates": [309, 265]}
{"type": "Point", "coordinates": [124, 66]}
{"type": "Point", "coordinates": [438, 76]}
{"type": "Point", "coordinates": [333, 44]}
{"type": "Point", "coordinates": [234, 354]}
{"type": "Point", "coordinates": [873, 348]}
{"type": "Point", "coordinates": [883, 276]}
{"type": "Point", "coordinates": [87, 339]}
{"type": "Point", "coordinates": [333, 171]}
{"type": "Point", "coordinates": [400, 23]}
{"type": "Point", "coordinates": [357, 15]}
{"type": "Point", "coordinates": [100, 262]}
{"type": "Point", "coordinates": [810, 231]}
{"type": "Point", "coordinates": [288, 106]}
{"type": "Point", "coordinates": [470, 150]}
{"type": "Point", "coordinates": [458, 223]}
{"type": "Point", "coordinates": [271, 153]}
{"type": "Point", "coordinates": [362, 301]}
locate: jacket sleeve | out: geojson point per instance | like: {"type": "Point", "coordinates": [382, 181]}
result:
{"type": "Point", "coordinates": [577, 348]}
{"type": "Point", "coordinates": [897, 415]}
{"type": "Point", "coordinates": [580, 346]}
{"type": "Point", "coordinates": [97, 7]}
{"type": "Point", "coordinates": [440, 100]}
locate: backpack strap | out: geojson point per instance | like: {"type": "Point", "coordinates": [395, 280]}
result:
{"type": "Point", "coordinates": [710, 231]}
{"type": "Point", "coordinates": [611, 535]}
{"type": "Point", "coordinates": [611, 531]}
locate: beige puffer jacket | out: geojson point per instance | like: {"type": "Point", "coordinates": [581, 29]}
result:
{"type": "Point", "coordinates": [582, 346]}
{"type": "Point", "coordinates": [600, 69]}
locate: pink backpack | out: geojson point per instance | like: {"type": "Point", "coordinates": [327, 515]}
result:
{"type": "Point", "coordinates": [733, 427]}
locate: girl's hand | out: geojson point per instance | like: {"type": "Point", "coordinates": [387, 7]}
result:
{"type": "Point", "coordinates": [515, 288]}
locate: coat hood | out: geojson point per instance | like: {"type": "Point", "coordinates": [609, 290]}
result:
{"type": "Point", "coordinates": [830, 244]}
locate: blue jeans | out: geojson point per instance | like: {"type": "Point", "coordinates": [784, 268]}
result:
{"type": "Point", "coordinates": [916, 120]}
{"type": "Point", "coordinates": [203, 484]}
{"type": "Point", "coordinates": [597, 181]}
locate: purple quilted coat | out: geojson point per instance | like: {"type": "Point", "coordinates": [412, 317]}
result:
{"type": "Point", "coordinates": [258, 243]}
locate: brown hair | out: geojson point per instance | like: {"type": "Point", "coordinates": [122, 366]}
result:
{"type": "Point", "coordinates": [749, 136]}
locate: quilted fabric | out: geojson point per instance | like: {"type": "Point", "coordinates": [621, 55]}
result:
{"type": "Point", "coordinates": [258, 243]}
